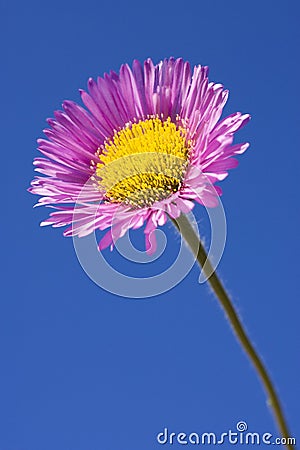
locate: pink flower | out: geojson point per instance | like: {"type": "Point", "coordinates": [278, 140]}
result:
{"type": "Point", "coordinates": [148, 146]}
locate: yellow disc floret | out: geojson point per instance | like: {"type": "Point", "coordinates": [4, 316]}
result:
{"type": "Point", "coordinates": [144, 162]}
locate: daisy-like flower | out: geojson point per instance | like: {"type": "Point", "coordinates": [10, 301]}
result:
{"type": "Point", "coordinates": [148, 145]}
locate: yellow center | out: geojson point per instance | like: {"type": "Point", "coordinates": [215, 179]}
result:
{"type": "Point", "coordinates": [144, 162]}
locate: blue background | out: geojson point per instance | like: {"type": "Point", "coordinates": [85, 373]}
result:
{"type": "Point", "coordinates": [82, 369]}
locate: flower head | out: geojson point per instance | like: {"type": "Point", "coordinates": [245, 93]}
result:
{"type": "Point", "coordinates": [149, 145]}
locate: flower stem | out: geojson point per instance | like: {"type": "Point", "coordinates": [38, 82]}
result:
{"type": "Point", "coordinates": [184, 226]}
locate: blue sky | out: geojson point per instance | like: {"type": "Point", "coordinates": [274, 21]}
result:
{"type": "Point", "coordinates": [82, 369]}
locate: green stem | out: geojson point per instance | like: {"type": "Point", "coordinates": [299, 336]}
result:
{"type": "Point", "coordinates": [184, 226]}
